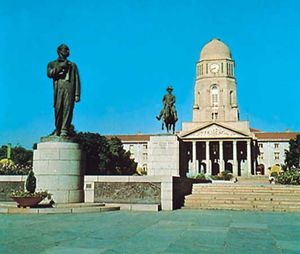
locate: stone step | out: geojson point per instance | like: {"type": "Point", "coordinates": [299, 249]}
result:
{"type": "Point", "coordinates": [247, 208]}
{"type": "Point", "coordinates": [12, 209]}
{"type": "Point", "coordinates": [244, 202]}
{"type": "Point", "coordinates": [76, 205]}
{"type": "Point", "coordinates": [245, 187]}
{"type": "Point", "coordinates": [250, 193]}
{"type": "Point", "coordinates": [243, 197]}
{"type": "Point", "coordinates": [246, 191]}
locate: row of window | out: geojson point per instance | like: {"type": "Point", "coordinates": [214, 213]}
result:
{"type": "Point", "coordinates": [145, 156]}
{"type": "Point", "coordinates": [131, 147]}
{"type": "Point", "coordinates": [276, 156]}
{"type": "Point", "coordinates": [261, 145]}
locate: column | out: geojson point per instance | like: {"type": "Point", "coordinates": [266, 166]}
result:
{"type": "Point", "coordinates": [221, 164]}
{"type": "Point", "coordinates": [208, 164]}
{"type": "Point", "coordinates": [194, 159]}
{"type": "Point", "coordinates": [235, 162]}
{"type": "Point", "coordinates": [249, 157]}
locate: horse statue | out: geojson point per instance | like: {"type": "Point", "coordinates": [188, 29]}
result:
{"type": "Point", "coordinates": [169, 120]}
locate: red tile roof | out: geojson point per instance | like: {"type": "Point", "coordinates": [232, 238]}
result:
{"type": "Point", "coordinates": [133, 137]}
{"type": "Point", "coordinates": [286, 136]}
{"type": "Point", "coordinates": [276, 135]}
{"type": "Point", "coordinates": [254, 130]}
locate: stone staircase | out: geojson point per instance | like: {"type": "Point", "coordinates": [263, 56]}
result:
{"type": "Point", "coordinates": [244, 196]}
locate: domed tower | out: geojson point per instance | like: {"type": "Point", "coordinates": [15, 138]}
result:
{"type": "Point", "coordinates": [215, 86]}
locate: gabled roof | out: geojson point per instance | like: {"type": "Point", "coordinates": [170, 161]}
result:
{"type": "Point", "coordinates": [213, 130]}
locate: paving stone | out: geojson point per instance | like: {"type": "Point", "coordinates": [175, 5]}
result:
{"type": "Point", "coordinates": [177, 231]}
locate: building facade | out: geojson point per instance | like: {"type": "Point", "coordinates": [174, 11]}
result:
{"type": "Point", "coordinates": [216, 139]}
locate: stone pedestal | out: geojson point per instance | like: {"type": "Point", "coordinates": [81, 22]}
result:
{"type": "Point", "coordinates": [59, 168]}
{"type": "Point", "coordinates": [163, 156]}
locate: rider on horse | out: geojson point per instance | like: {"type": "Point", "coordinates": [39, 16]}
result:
{"type": "Point", "coordinates": [168, 101]}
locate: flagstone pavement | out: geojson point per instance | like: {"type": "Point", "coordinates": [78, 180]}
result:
{"type": "Point", "coordinates": [180, 231]}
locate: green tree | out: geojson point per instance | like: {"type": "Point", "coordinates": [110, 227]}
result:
{"type": "Point", "coordinates": [22, 156]}
{"type": "Point", "coordinates": [19, 155]}
{"type": "Point", "coordinates": [119, 160]}
{"type": "Point", "coordinates": [105, 157]}
{"type": "Point", "coordinates": [292, 156]}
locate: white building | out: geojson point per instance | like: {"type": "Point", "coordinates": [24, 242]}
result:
{"type": "Point", "coordinates": [216, 139]}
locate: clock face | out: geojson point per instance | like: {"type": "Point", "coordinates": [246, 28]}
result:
{"type": "Point", "coordinates": [214, 68]}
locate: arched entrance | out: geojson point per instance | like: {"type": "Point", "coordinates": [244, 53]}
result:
{"type": "Point", "coordinates": [215, 168]}
{"type": "Point", "coordinates": [228, 166]}
{"type": "Point", "coordinates": [202, 168]}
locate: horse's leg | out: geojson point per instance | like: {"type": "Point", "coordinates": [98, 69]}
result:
{"type": "Point", "coordinates": [173, 128]}
{"type": "Point", "coordinates": [162, 125]}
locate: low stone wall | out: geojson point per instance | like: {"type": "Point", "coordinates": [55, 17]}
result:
{"type": "Point", "coordinates": [166, 191]}
{"type": "Point", "coordinates": [9, 184]}
{"type": "Point", "coordinates": [130, 189]}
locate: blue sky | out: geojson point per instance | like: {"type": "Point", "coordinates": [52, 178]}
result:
{"type": "Point", "coordinates": [128, 52]}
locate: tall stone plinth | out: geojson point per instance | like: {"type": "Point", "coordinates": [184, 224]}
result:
{"type": "Point", "coordinates": [163, 155]}
{"type": "Point", "coordinates": [59, 168]}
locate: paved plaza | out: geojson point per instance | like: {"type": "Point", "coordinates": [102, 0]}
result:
{"type": "Point", "coordinates": [181, 231]}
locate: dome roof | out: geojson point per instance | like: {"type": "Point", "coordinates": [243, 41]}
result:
{"type": "Point", "coordinates": [215, 49]}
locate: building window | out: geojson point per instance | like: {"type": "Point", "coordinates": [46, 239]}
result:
{"type": "Point", "coordinates": [276, 155]}
{"type": "Point", "coordinates": [261, 145]}
{"type": "Point", "coordinates": [145, 156]}
{"type": "Point", "coordinates": [145, 168]}
{"type": "Point", "coordinates": [222, 67]}
{"type": "Point", "coordinates": [145, 147]}
{"type": "Point", "coordinates": [261, 156]}
{"type": "Point", "coordinates": [206, 68]}
{"type": "Point", "coordinates": [214, 95]}
{"type": "Point", "coordinates": [276, 145]}
{"type": "Point", "coordinates": [214, 116]}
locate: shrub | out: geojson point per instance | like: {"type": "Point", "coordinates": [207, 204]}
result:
{"type": "Point", "coordinates": [31, 182]}
{"type": "Point", "coordinates": [224, 175]}
{"type": "Point", "coordinates": [200, 176]}
{"type": "Point", "coordinates": [274, 174]}
{"type": "Point", "coordinates": [140, 171]}
{"type": "Point", "coordinates": [291, 176]}
{"type": "Point", "coordinates": [14, 169]}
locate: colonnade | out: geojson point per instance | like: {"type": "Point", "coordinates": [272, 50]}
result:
{"type": "Point", "coordinates": [219, 158]}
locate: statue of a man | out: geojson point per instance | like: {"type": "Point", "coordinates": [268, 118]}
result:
{"type": "Point", "coordinates": [168, 101]}
{"type": "Point", "coordinates": [66, 86]}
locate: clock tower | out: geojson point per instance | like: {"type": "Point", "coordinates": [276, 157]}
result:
{"type": "Point", "coordinates": [215, 86]}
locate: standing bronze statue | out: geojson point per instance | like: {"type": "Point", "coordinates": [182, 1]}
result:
{"type": "Point", "coordinates": [168, 111]}
{"type": "Point", "coordinates": [66, 86]}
